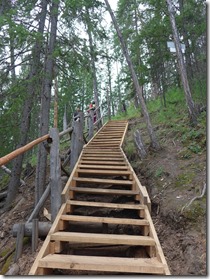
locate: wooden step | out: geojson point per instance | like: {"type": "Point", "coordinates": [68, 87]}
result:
{"type": "Point", "coordinates": [103, 191]}
{"type": "Point", "coordinates": [107, 139]}
{"type": "Point", "coordinates": [99, 152]}
{"type": "Point", "coordinates": [107, 205]}
{"type": "Point", "coordinates": [100, 158]}
{"type": "Point", "coordinates": [102, 162]}
{"type": "Point", "coordinates": [107, 220]}
{"type": "Point", "coordinates": [111, 264]}
{"type": "Point", "coordinates": [103, 181]}
{"type": "Point", "coordinates": [114, 239]}
{"type": "Point", "coordinates": [89, 166]}
{"type": "Point", "coordinates": [105, 172]}
{"type": "Point", "coordinates": [102, 154]}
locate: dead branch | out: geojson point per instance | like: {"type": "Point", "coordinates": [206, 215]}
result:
{"type": "Point", "coordinates": [195, 198]}
{"type": "Point", "coordinates": [8, 171]}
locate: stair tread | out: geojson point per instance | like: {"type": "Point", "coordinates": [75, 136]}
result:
{"type": "Point", "coordinates": [107, 220]}
{"type": "Point", "coordinates": [103, 181]}
{"type": "Point", "coordinates": [103, 191]}
{"type": "Point", "coordinates": [106, 172]}
{"type": "Point", "coordinates": [116, 239]}
{"type": "Point", "coordinates": [117, 264]}
{"type": "Point", "coordinates": [108, 205]}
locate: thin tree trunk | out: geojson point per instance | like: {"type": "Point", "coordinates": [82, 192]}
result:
{"type": "Point", "coordinates": [95, 84]}
{"type": "Point", "coordinates": [139, 90]}
{"type": "Point", "coordinates": [45, 104]}
{"type": "Point", "coordinates": [112, 112]}
{"type": "Point", "coordinates": [183, 72]}
{"type": "Point", "coordinates": [26, 114]}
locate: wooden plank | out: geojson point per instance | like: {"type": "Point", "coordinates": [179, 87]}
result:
{"type": "Point", "coordinates": [108, 139]}
{"type": "Point", "coordinates": [103, 191]}
{"type": "Point", "coordinates": [110, 149]}
{"type": "Point", "coordinates": [107, 220]}
{"type": "Point", "coordinates": [107, 205]}
{"type": "Point", "coordinates": [103, 181]}
{"type": "Point", "coordinates": [116, 239]}
{"type": "Point", "coordinates": [104, 154]}
{"type": "Point", "coordinates": [103, 145]}
{"type": "Point", "coordinates": [19, 242]}
{"type": "Point", "coordinates": [98, 152]}
{"type": "Point", "coordinates": [100, 158]}
{"type": "Point", "coordinates": [101, 167]}
{"type": "Point", "coordinates": [111, 264]}
{"type": "Point", "coordinates": [105, 172]}
{"type": "Point", "coordinates": [153, 234]}
{"type": "Point", "coordinates": [102, 162]}
{"type": "Point", "coordinates": [123, 137]}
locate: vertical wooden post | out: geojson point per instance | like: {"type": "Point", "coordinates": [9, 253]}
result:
{"type": "Point", "coordinates": [19, 242]}
{"type": "Point", "coordinates": [55, 173]}
{"type": "Point", "coordinates": [35, 234]}
{"type": "Point", "coordinates": [77, 141]}
{"type": "Point", "coordinates": [90, 124]}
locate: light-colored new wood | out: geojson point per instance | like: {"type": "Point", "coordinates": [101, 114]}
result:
{"type": "Point", "coordinates": [107, 220]}
{"type": "Point", "coordinates": [102, 167]}
{"type": "Point", "coordinates": [102, 162]}
{"type": "Point", "coordinates": [95, 158]}
{"type": "Point", "coordinates": [103, 191]}
{"type": "Point", "coordinates": [117, 239]}
{"type": "Point", "coordinates": [102, 181]}
{"type": "Point", "coordinates": [108, 205]}
{"type": "Point", "coordinates": [105, 172]}
{"type": "Point", "coordinates": [112, 264]}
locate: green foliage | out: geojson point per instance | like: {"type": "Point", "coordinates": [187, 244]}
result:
{"type": "Point", "coordinates": [196, 210]}
{"type": "Point", "coordinates": [130, 149]}
{"type": "Point", "coordinates": [4, 181]}
{"type": "Point", "coordinates": [184, 179]}
{"type": "Point", "coordinates": [159, 171]}
{"type": "Point", "coordinates": [7, 264]}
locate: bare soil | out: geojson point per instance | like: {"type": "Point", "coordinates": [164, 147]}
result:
{"type": "Point", "coordinates": [172, 180]}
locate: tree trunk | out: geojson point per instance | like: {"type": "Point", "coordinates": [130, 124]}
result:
{"type": "Point", "coordinates": [64, 119]}
{"type": "Point", "coordinates": [45, 104]}
{"type": "Point", "coordinates": [182, 69]}
{"type": "Point", "coordinates": [95, 84]}
{"type": "Point", "coordinates": [139, 90]}
{"type": "Point", "coordinates": [28, 104]}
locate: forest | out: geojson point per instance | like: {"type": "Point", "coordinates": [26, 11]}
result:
{"type": "Point", "coordinates": [150, 56]}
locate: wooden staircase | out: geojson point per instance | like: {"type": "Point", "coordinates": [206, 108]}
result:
{"type": "Point", "coordinates": [104, 225]}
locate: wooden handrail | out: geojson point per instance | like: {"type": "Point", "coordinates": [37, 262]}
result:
{"type": "Point", "coordinates": [7, 158]}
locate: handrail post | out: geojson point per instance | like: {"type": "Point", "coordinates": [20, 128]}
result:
{"type": "Point", "coordinates": [77, 140]}
{"type": "Point", "coordinates": [55, 173]}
